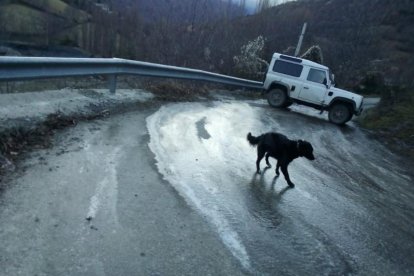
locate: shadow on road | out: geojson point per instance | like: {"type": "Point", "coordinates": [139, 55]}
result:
{"type": "Point", "coordinates": [260, 187]}
{"type": "Point", "coordinates": [263, 200]}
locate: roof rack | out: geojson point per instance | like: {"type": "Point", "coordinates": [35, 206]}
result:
{"type": "Point", "coordinates": [298, 60]}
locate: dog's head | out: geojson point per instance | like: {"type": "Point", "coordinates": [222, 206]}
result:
{"type": "Point", "coordinates": [305, 149]}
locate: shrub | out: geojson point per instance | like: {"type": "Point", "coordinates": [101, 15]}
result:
{"type": "Point", "coordinates": [249, 64]}
{"type": "Point", "coordinates": [314, 54]}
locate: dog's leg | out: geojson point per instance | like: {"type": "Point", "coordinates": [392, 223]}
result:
{"type": "Point", "coordinates": [277, 168]}
{"type": "Point", "coordinates": [260, 154]}
{"type": "Point", "coordinates": [286, 174]}
{"type": "Point", "coordinates": [267, 160]}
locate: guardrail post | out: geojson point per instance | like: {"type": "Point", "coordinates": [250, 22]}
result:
{"type": "Point", "coordinates": [112, 84]}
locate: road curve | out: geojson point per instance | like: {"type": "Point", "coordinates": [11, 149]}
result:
{"type": "Point", "coordinates": [342, 218]}
{"type": "Point", "coordinates": [171, 190]}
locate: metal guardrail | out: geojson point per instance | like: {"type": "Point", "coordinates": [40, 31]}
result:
{"type": "Point", "coordinates": [25, 68]}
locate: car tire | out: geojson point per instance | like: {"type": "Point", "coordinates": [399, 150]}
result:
{"type": "Point", "coordinates": [277, 98]}
{"type": "Point", "coordinates": [339, 114]}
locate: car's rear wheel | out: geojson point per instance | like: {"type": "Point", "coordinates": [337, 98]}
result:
{"type": "Point", "coordinates": [277, 97]}
{"type": "Point", "coordinates": [340, 113]}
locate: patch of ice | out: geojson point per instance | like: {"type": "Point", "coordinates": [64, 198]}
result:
{"type": "Point", "coordinates": [182, 158]}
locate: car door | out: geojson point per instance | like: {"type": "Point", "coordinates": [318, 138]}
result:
{"type": "Point", "coordinates": [314, 87]}
{"type": "Point", "coordinates": [290, 73]}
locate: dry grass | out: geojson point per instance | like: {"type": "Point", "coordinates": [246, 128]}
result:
{"type": "Point", "coordinates": [393, 121]}
{"type": "Point", "coordinates": [171, 90]}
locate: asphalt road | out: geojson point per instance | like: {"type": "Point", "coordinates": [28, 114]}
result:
{"type": "Point", "coordinates": [172, 190]}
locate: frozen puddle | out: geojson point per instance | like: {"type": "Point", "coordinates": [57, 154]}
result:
{"type": "Point", "coordinates": [195, 147]}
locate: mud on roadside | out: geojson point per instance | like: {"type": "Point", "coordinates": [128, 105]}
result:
{"type": "Point", "coordinates": [21, 136]}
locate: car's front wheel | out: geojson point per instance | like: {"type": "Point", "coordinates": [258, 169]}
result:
{"type": "Point", "coordinates": [277, 98]}
{"type": "Point", "coordinates": [340, 113]}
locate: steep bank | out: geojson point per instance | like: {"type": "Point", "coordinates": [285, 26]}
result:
{"type": "Point", "coordinates": [392, 121]}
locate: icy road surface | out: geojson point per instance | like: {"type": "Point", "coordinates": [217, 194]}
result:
{"type": "Point", "coordinates": [172, 190]}
{"type": "Point", "coordinates": [351, 211]}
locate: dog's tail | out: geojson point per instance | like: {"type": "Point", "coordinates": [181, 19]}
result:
{"type": "Point", "coordinates": [253, 140]}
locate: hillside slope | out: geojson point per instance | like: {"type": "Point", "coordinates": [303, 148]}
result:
{"type": "Point", "coordinates": [38, 22]}
{"type": "Point", "coordinates": [356, 36]}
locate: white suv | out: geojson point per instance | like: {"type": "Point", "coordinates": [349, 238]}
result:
{"type": "Point", "coordinates": [291, 79]}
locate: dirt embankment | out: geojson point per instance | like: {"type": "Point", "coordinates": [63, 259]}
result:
{"type": "Point", "coordinates": [28, 135]}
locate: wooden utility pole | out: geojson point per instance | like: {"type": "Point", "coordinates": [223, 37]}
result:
{"type": "Point", "coordinates": [301, 39]}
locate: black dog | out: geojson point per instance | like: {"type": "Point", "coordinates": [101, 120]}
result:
{"type": "Point", "coordinates": [278, 146]}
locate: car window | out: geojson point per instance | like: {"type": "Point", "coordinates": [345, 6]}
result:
{"type": "Point", "coordinates": [315, 75]}
{"type": "Point", "coordinates": [288, 68]}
